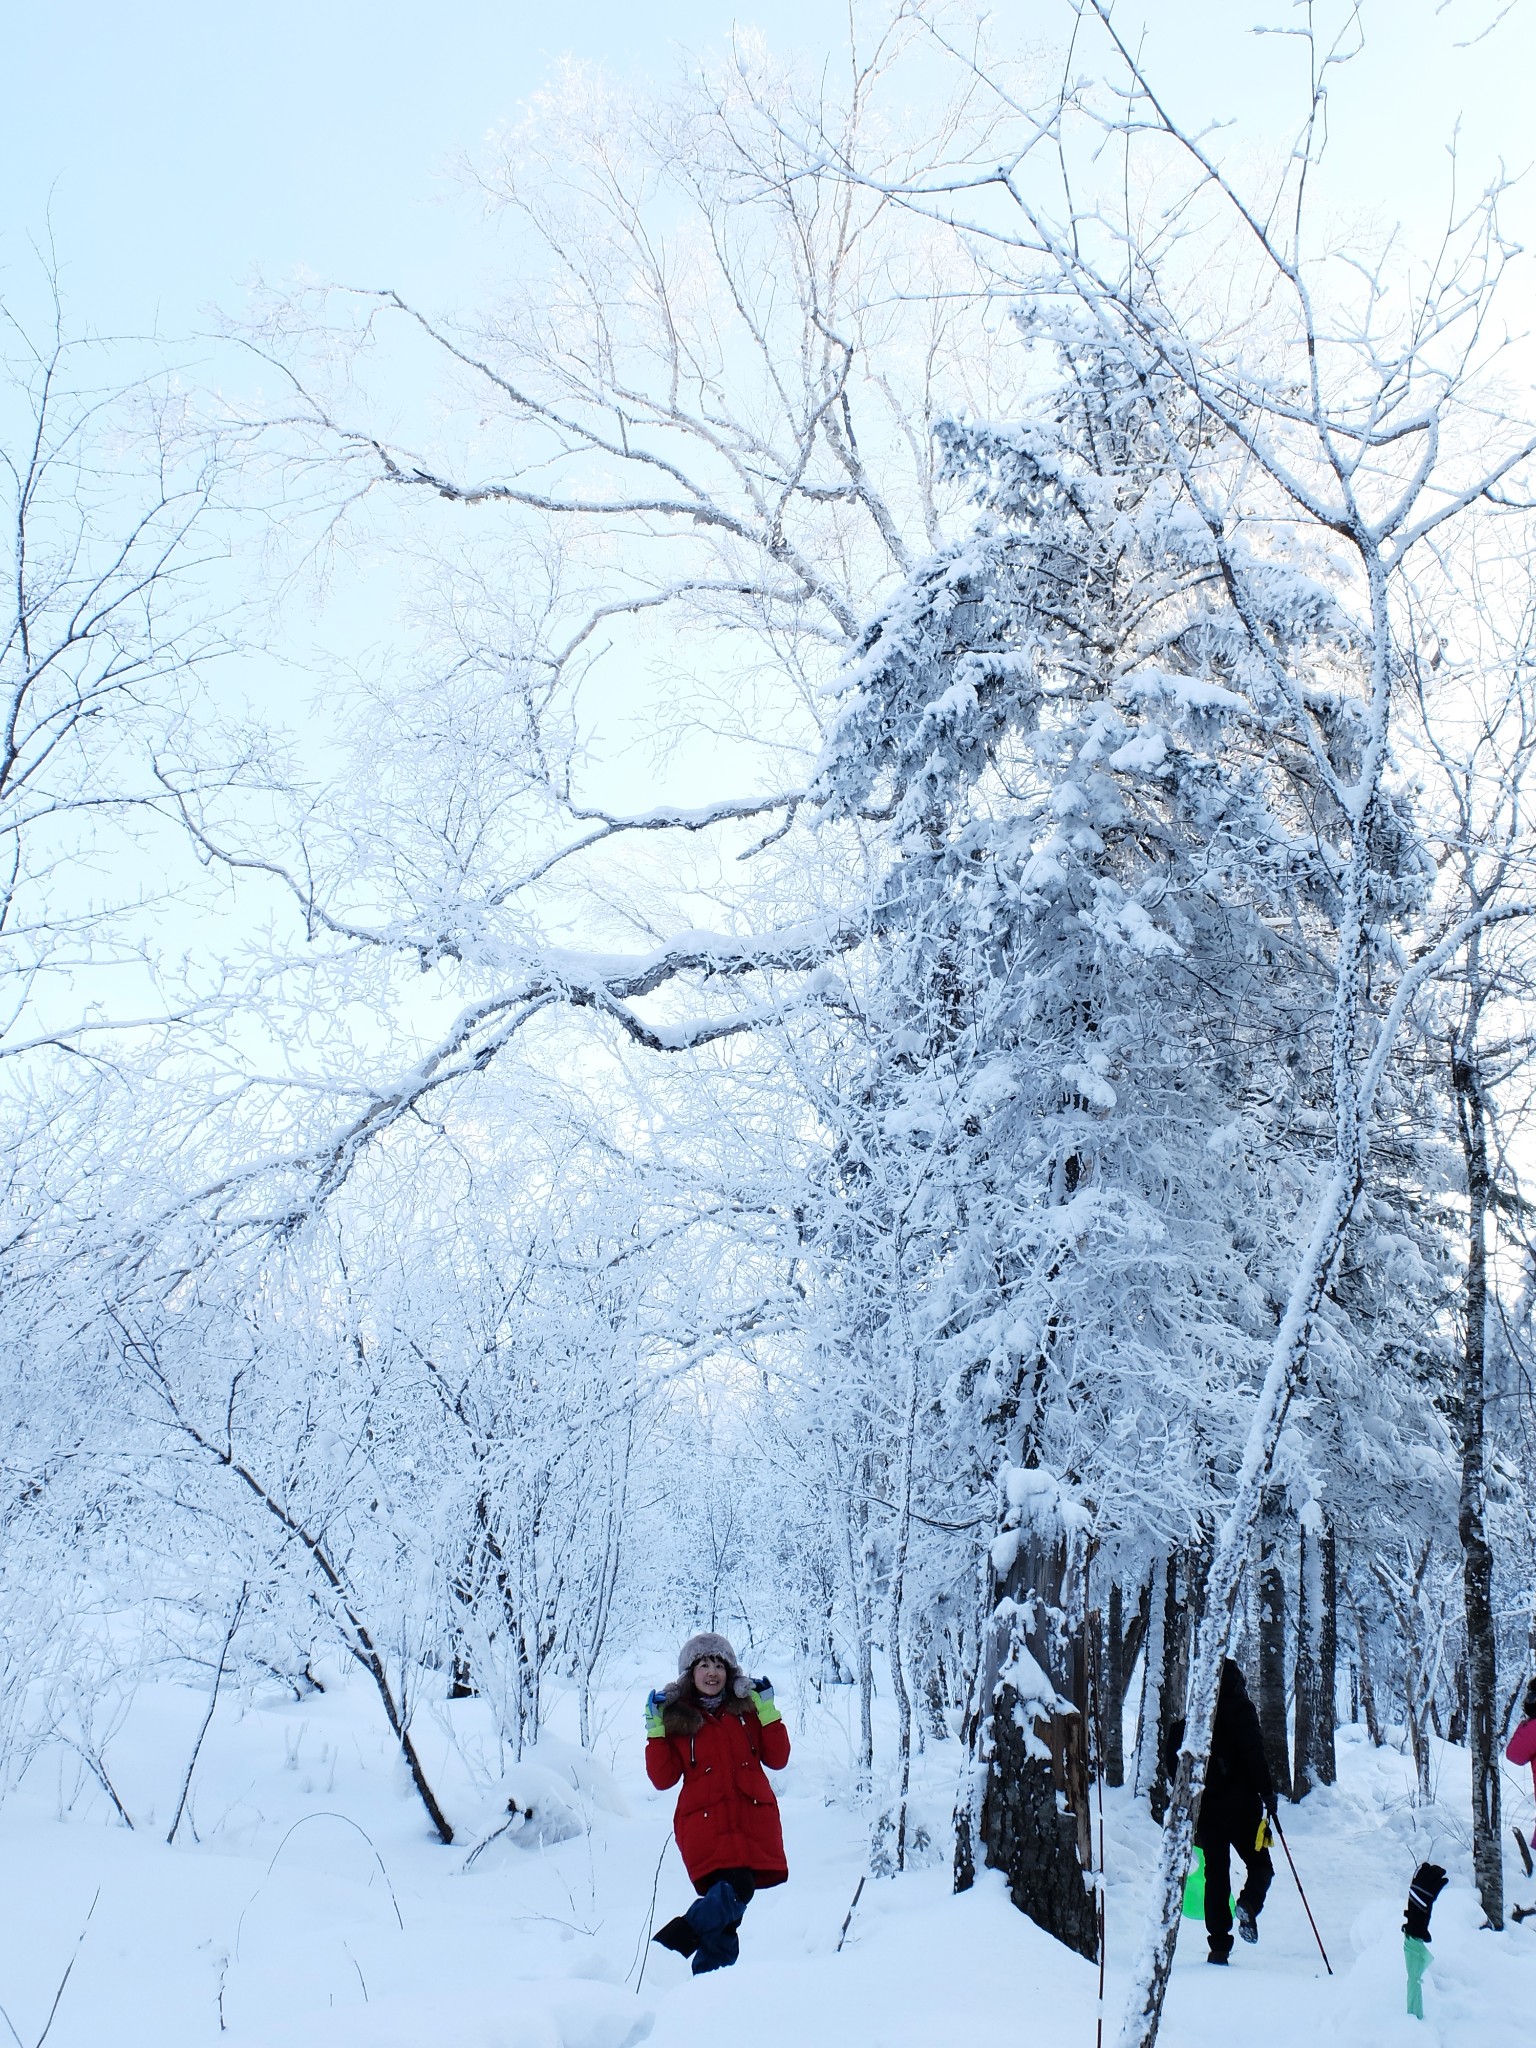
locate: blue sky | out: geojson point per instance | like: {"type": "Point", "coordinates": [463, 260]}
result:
{"type": "Point", "coordinates": [183, 145]}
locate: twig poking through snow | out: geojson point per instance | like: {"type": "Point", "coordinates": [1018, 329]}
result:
{"type": "Point", "coordinates": [848, 1916]}
{"type": "Point", "coordinates": [515, 1813]}
{"type": "Point", "coordinates": [213, 1701]}
{"type": "Point", "coordinates": [326, 1814]}
{"type": "Point", "coordinates": [644, 1954]}
{"type": "Point", "coordinates": [63, 1981]}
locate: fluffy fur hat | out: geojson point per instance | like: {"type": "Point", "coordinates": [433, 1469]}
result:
{"type": "Point", "coordinates": [707, 1644]}
{"type": "Point", "coordinates": [680, 1713]}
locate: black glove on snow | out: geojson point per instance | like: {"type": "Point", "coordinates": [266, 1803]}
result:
{"type": "Point", "coordinates": [1429, 1881]}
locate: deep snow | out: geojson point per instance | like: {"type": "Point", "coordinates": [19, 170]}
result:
{"type": "Point", "coordinates": [316, 1908]}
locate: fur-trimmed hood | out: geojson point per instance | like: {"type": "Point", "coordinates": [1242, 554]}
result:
{"type": "Point", "coordinates": [680, 1715]}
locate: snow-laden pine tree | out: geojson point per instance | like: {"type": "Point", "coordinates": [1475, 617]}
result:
{"type": "Point", "coordinates": [1095, 1104]}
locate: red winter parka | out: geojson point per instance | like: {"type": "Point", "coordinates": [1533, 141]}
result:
{"type": "Point", "coordinates": [727, 1817]}
{"type": "Point", "coordinates": [1522, 1746]}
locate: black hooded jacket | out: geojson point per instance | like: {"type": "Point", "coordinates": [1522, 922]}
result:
{"type": "Point", "coordinates": [1238, 1785]}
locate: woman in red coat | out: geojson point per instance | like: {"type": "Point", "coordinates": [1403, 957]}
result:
{"type": "Point", "coordinates": [1522, 1750]}
{"type": "Point", "coordinates": [715, 1729]}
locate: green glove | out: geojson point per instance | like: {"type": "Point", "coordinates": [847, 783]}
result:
{"type": "Point", "coordinates": [1416, 1956]}
{"type": "Point", "coordinates": [655, 1727]}
{"type": "Point", "coordinates": [762, 1699]}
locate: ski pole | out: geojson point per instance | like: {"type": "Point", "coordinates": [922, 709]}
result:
{"type": "Point", "coordinates": [1285, 1845]}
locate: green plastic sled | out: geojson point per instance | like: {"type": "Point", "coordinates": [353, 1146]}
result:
{"type": "Point", "coordinates": [1194, 1890]}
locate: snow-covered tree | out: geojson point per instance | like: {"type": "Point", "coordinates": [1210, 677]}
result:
{"type": "Point", "coordinates": [1093, 1073]}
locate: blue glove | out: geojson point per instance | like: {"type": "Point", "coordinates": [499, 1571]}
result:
{"type": "Point", "coordinates": [655, 1727]}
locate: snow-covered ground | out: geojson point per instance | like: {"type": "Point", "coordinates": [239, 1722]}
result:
{"type": "Point", "coordinates": [315, 1908]}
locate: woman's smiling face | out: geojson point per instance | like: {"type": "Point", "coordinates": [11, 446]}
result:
{"type": "Point", "coordinates": [709, 1676]}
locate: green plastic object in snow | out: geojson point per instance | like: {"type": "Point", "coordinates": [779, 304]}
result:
{"type": "Point", "coordinates": [1416, 1956]}
{"type": "Point", "coordinates": [1194, 1890]}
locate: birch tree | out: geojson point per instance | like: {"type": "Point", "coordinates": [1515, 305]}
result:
{"type": "Point", "coordinates": [113, 497]}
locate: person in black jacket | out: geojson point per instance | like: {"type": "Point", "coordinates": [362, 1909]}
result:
{"type": "Point", "coordinates": [1235, 1811]}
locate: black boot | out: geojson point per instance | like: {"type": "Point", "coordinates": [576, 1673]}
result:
{"type": "Point", "coordinates": [679, 1935]}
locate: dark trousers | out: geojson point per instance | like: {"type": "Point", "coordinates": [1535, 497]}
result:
{"type": "Point", "coordinates": [1218, 1839]}
{"type": "Point", "coordinates": [715, 1914]}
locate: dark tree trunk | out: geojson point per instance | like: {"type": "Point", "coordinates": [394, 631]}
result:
{"type": "Point", "coordinates": [1317, 1660]}
{"type": "Point", "coordinates": [1183, 1605]}
{"type": "Point", "coordinates": [973, 1731]}
{"type": "Point", "coordinates": [1172, 1682]}
{"type": "Point", "coordinates": [935, 1699]}
{"type": "Point", "coordinates": [1330, 1653]}
{"type": "Point", "coordinates": [1113, 1759]}
{"type": "Point", "coordinates": [1123, 1638]}
{"type": "Point", "coordinates": [1328, 1662]}
{"type": "Point", "coordinates": [1136, 1632]}
{"type": "Point", "coordinates": [1271, 1659]}
{"type": "Point", "coordinates": [1477, 1555]}
{"type": "Point", "coordinates": [1033, 1822]}
{"type": "Point", "coordinates": [1027, 1836]}
{"type": "Point", "coordinates": [1461, 1712]}
{"type": "Point", "coordinates": [1373, 1726]}
{"type": "Point", "coordinates": [1151, 1681]}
